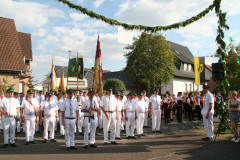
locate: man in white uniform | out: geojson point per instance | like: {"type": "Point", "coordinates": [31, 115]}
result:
{"type": "Point", "coordinates": [155, 111]}
{"type": "Point", "coordinates": [130, 112]}
{"type": "Point", "coordinates": [110, 111]}
{"type": "Point", "coordinates": [146, 100]}
{"type": "Point", "coordinates": [90, 110]}
{"type": "Point", "coordinates": [123, 101]}
{"type": "Point", "coordinates": [120, 105]}
{"type": "Point", "coordinates": [16, 95]}
{"type": "Point", "coordinates": [100, 116]}
{"type": "Point", "coordinates": [40, 98]}
{"type": "Point", "coordinates": [29, 115]}
{"type": "Point", "coordinates": [141, 114]}
{"type": "Point", "coordinates": [9, 108]}
{"type": "Point", "coordinates": [60, 103]}
{"type": "Point", "coordinates": [50, 111]}
{"type": "Point", "coordinates": [69, 111]}
{"type": "Point", "coordinates": [78, 97]}
{"type": "Point", "coordinates": [207, 112]}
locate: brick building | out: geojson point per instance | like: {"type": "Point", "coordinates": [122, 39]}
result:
{"type": "Point", "coordinates": [15, 55]}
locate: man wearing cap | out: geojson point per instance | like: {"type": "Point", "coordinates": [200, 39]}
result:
{"type": "Point", "coordinates": [130, 116]}
{"type": "Point", "coordinates": [16, 96]}
{"type": "Point", "coordinates": [155, 111]}
{"type": "Point", "coordinates": [40, 98]}
{"type": "Point", "coordinates": [123, 100]}
{"type": "Point", "coordinates": [55, 98]}
{"type": "Point", "coordinates": [69, 111]}
{"type": "Point", "coordinates": [120, 105]}
{"type": "Point", "coordinates": [90, 109]}
{"type": "Point", "coordinates": [207, 112]}
{"type": "Point", "coordinates": [10, 109]}
{"type": "Point", "coordinates": [110, 111]}
{"type": "Point", "coordinates": [79, 98]}
{"type": "Point", "coordinates": [60, 103]}
{"type": "Point", "coordinates": [179, 106]}
{"type": "Point", "coordinates": [50, 111]}
{"type": "Point", "coordinates": [30, 116]}
{"type": "Point", "coordinates": [140, 114]}
{"type": "Point", "coordinates": [146, 100]}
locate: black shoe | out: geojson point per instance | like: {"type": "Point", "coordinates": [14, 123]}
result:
{"type": "Point", "coordinates": [204, 138]}
{"type": "Point", "coordinates": [32, 142]}
{"type": "Point", "coordinates": [53, 140]}
{"type": "Point", "coordinates": [44, 141]}
{"type": "Point", "coordinates": [118, 138]}
{"type": "Point", "coordinates": [62, 136]}
{"type": "Point", "coordinates": [207, 139]}
{"type": "Point", "coordinates": [133, 137]}
{"type": "Point", "coordinates": [113, 142]}
{"type": "Point", "coordinates": [73, 147]}
{"type": "Point", "coordinates": [93, 145]}
{"type": "Point", "coordinates": [123, 131]}
{"type": "Point", "coordinates": [153, 131]}
{"type": "Point", "coordinates": [85, 147]}
{"type": "Point", "coordinates": [105, 143]}
{"type": "Point", "coordinates": [139, 135]}
{"type": "Point", "coordinates": [81, 133]}
{"type": "Point", "coordinates": [159, 131]}
{"type": "Point", "coordinates": [13, 145]}
{"type": "Point", "coordinates": [96, 134]}
{"type": "Point", "coordinates": [146, 127]}
{"type": "Point", "coordinates": [5, 145]}
{"type": "Point", "coordinates": [67, 148]}
{"type": "Point", "coordinates": [128, 137]}
{"type": "Point", "coordinates": [143, 135]}
{"type": "Point", "coordinates": [18, 132]}
{"type": "Point", "coordinates": [38, 132]}
{"type": "Point", "coordinates": [26, 143]}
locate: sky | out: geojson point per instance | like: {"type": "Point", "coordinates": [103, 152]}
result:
{"type": "Point", "coordinates": [55, 28]}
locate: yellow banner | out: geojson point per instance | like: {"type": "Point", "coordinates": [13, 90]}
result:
{"type": "Point", "coordinates": [197, 68]}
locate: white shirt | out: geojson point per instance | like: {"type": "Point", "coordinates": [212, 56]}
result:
{"type": "Point", "coordinates": [120, 105]}
{"type": "Point", "coordinates": [5, 105]}
{"type": "Point", "coordinates": [156, 102]}
{"type": "Point", "coordinates": [55, 98]}
{"type": "Point", "coordinates": [109, 103]}
{"type": "Point", "coordinates": [30, 109]}
{"type": "Point", "coordinates": [86, 106]}
{"type": "Point", "coordinates": [208, 98]}
{"type": "Point", "coordinates": [49, 108]}
{"type": "Point", "coordinates": [66, 108]}
{"type": "Point", "coordinates": [40, 99]}
{"type": "Point", "coordinates": [140, 106]}
{"type": "Point", "coordinates": [129, 105]}
{"type": "Point", "coordinates": [60, 103]}
{"type": "Point", "coordinates": [146, 99]}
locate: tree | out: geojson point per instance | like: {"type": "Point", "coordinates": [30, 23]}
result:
{"type": "Point", "coordinates": [150, 61]}
{"type": "Point", "coordinates": [32, 82]}
{"type": "Point", "coordinates": [5, 84]}
{"type": "Point", "coordinates": [114, 83]}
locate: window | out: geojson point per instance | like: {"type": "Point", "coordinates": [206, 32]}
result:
{"type": "Point", "coordinates": [186, 87]}
{"type": "Point", "coordinates": [189, 67]}
{"type": "Point", "coordinates": [21, 87]}
{"type": "Point", "coordinates": [185, 67]}
{"type": "Point", "coordinates": [190, 87]}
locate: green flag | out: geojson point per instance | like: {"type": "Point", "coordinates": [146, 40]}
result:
{"type": "Point", "coordinates": [76, 68]}
{"type": "Point", "coordinates": [231, 39]}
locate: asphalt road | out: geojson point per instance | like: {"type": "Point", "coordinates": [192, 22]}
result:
{"type": "Point", "coordinates": [177, 141]}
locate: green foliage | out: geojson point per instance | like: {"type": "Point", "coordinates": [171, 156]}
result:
{"type": "Point", "coordinates": [150, 61]}
{"type": "Point", "coordinates": [141, 27]}
{"type": "Point", "coordinates": [5, 84]}
{"type": "Point", "coordinates": [114, 83]}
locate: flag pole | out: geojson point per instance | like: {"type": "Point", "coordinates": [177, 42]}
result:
{"type": "Point", "coordinates": [69, 52]}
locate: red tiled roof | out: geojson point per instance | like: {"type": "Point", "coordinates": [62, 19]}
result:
{"type": "Point", "coordinates": [26, 44]}
{"type": "Point", "coordinates": [208, 67]}
{"type": "Point", "coordinates": [11, 56]}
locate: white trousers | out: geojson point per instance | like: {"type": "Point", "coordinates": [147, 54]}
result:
{"type": "Point", "coordinates": [19, 125]}
{"type": "Point", "coordinates": [208, 123]}
{"type": "Point", "coordinates": [30, 122]}
{"type": "Point", "coordinates": [109, 124]}
{"type": "Point", "coordinates": [70, 125]}
{"type": "Point", "coordinates": [146, 118]}
{"type": "Point", "coordinates": [119, 125]}
{"type": "Point", "coordinates": [130, 124]}
{"type": "Point", "coordinates": [100, 120]}
{"type": "Point", "coordinates": [49, 124]}
{"type": "Point", "coordinates": [156, 120]}
{"type": "Point", "coordinates": [140, 122]}
{"type": "Point", "coordinates": [123, 122]}
{"type": "Point", "coordinates": [62, 130]}
{"type": "Point", "coordinates": [90, 127]}
{"type": "Point", "coordinates": [9, 126]}
{"type": "Point", "coordinates": [80, 121]}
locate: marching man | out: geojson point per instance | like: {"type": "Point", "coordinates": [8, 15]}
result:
{"type": "Point", "coordinates": [130, 113]}
{"type": "Point", "coordinates": [155, 111]}
{"type": "Point", "coordinates": [50, 110]}
{"type": "Point", "coordinates": [90, 110]}
{"type": "Point", "coordinates": [29, 115]}
{"type": "Point", "coordinates": [146, 99]}
{"type": "Point", "coordinates": [109, 107]}
{"type": "Point", "coordinates": [69, 111]}
{"type": "Point", "coordinates": [141, 114]}
{"type": "Point", "coordinates": [207, 112]}
{"type": "Point", "coordinates": [60, 103]}
{"type": "Point", "coordinates": [10, 108]}
{"type": "Point", "coordinates": [120, 105]}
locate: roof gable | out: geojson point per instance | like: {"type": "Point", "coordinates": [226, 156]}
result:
{"type": "Point", "coordinates": [10, 49]}
{"type": "Point", "coordinates": [26, 44]}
